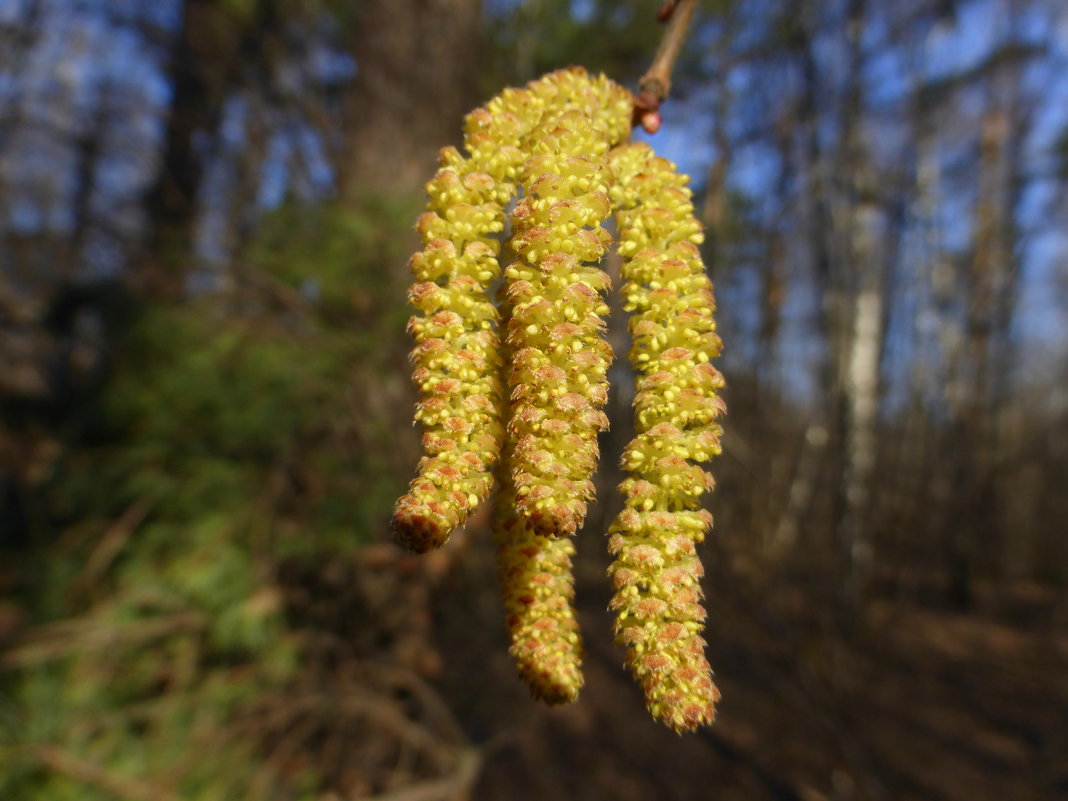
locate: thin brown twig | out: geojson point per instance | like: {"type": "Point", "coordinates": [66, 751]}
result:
{"type": "Point", "coordinates": [116, 785]}
{"type": "Point", "coordinates": [453, 787]}
{"type": "Point", "coordinates": [112, 542]}
{"type": "Point", "coordinates": [655, 85]}
{"type": "Point", "coordinates": [59, 640]}
{"type": "Point", "coordinates": [441, 717]}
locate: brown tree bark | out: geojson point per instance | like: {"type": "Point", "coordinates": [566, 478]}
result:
{"type": "Point", "coordinates": [417, 67]}
{"type": "Point", "coordinates": [199, 66]}
{"type": "Point", "coordinates": [216, 48]}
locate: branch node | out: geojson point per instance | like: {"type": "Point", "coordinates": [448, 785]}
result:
{"type": "Point", "coordinates": [655, 85]}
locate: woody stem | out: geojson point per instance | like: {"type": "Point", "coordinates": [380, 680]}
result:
{"type": "Point", "coordinates": [655, 84]}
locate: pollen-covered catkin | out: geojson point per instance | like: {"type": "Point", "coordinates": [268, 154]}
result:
{"type": "Point", "coordinates": [656, 572]}
{"type": "Point", "coordinates": [556, 144]}
{"type": "Point", "coordinates": [538, 591]}
{"type": "Point", "coordinates": [558, 374]}
{"type": "Point", "coordinates": [456, 358]}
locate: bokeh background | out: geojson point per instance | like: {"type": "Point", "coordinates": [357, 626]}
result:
{"type": "Point", "coordinates": [205, 213]}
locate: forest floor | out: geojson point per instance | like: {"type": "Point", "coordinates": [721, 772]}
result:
{"type": "Point", "coordinates": [406, 692]}
{"type": "Point", "coordinates": [906, 701]}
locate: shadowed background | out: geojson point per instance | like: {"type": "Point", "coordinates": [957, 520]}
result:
{"type": "Point", "coordinates": [206, 209]}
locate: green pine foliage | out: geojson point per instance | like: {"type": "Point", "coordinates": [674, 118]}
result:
{"type": "Point", "coordinates": [236, 430]}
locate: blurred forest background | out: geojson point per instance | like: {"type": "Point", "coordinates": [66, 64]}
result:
{"type": "Point", "coordinates": [205, 213]}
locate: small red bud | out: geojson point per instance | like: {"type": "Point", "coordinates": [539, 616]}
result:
{"type": "Point", "coordinates": [666, 10]}
{"type": "Point", "coordinates": [650, 121]}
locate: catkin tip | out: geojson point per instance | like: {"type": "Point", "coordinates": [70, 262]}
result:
{"type": "Point", "coordinates": [417, 531]}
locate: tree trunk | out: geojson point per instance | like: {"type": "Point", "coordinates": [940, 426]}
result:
{"type": "Point", "coordinates": [416, 76]}
{"type": "Point", "coordinates": [171, 202]}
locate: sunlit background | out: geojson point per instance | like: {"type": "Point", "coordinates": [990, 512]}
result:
{"type": "Point", "coordinates": [206, 210]}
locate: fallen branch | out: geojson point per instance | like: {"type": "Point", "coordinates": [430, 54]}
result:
{"type": "Point", "coordinates": [454, 787]}
{"type": "Point", "coordinates": [112, 542]}
{"type": "Point", "coordinates": [59, 640]}
{"type": "Point", "coordinates": [121, 787]}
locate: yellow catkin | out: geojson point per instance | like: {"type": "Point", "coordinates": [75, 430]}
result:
{"type": "Point", "coordinates": [538, 592]}
{"type": "Point", "coordinates": [656, 572]}
{"type": "Point", "coordinates": [457, 360]}
{"type": "Point", "coordinates": [557, 370]}
{"type": "Point", "coordinates": [556, 142]}
{"type": "Point", "coordinates": [558, 373]}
